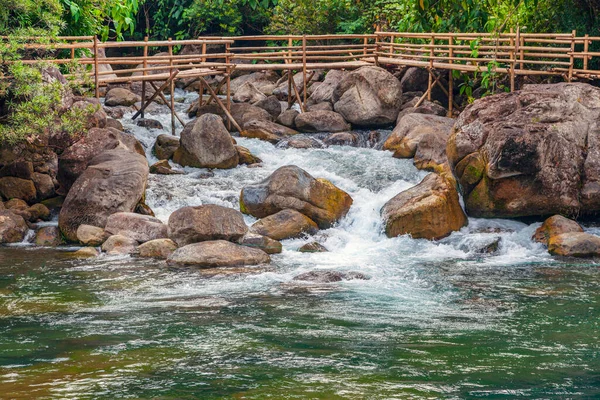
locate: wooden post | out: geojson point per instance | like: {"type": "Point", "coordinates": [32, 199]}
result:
{"type": "Point", "coordinates": [204, 52]}
{"type": "Point", "coordinates": [289, 72]}
{"type": "Point", "coordinates": [172, 89]}
{"type": "Point", "coordinates": [72, 53]}
{"type": "Point", "coordinates": [365, 44]}
{"type": "Point", "coordinates": [519, 50]}
{"type": "Point", "coordinates": [145, 72]}
{"type": "Point", "coordinates": [304, 65]}
{"type": "Point", "coordinates": [96, 67]}
{"type": "Point", "coordinates": [377, 47]}
{"type": "Point", "coordinates": [512, 55]}
{"type": "Point", "coordinates": [586, 48]}
{"type": "Point", "coordinates": [572, 56]}
{"type": "Point", "coordinates": [228, 81]}
{"type": "Point", "coordinates": [450, 77]}
{"type": "Point", "coordinates": [431, 54]}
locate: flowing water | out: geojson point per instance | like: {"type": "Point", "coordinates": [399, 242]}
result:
{"type": "Point", "coordinates": [435, 319]}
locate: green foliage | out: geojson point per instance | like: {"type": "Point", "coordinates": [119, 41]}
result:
{"type": "Point", "coordinates": [108, 18]}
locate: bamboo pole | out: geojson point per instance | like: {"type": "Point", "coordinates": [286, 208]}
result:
{"type": "Point", "coordinates": [586, 47]}
{"type": "Point", "coordinates": [145, 72]}
{"type": "Point", "coordinates": [450, 78]}
{"type": "Point", "coordinates": [172, 89]}
{"type": "Point", "coordinates": [223, 107]}
{"type": "Point", "coordinates": [304, 66]}
{"type": "Point", "coordinates": [430, 69]}
{"type": "Point", "coordinates": [290, 78]}
{"type": "Point", "coordinates": [572, 58]}
{"type": "Point", "coordinates": [228, 78]}
{"type": "Point", "coordinates": [96, 67]}
{"type": "Point", "coordinates": [156, 92]}
{"type": "Point", "coordinates": [162, 96]}
{"type": "Point", "coordinates": [512, 65]}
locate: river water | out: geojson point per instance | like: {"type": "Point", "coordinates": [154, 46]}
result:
{"type": "Point", "coordinates": [435, 319]}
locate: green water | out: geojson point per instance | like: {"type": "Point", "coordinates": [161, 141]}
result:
{"type": "Point", "coordinates": [125, 328]}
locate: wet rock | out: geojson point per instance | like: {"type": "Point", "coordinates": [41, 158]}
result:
{"type": "Point", "coordinates": [114, 181]}
{"type": "Point", "coordinates": [342, 139]}
{"type": "Point", "coordinates": [264, 243]}
{"type": "Point", "coordinates": [290, 187]}
{"type": "Point", "coordinates": [313, 247]}
{"type": "Point", "coordinates": [117, 112]}
{"type": "Point", "coordinates": [206, 143]}
{"type": "Point", "coordinates": [288, 118]}
{"type": "Point", "coordinates": [270, 105]}
{"type": "Point", "coordinates": [324, 92]}
{"type": "Point", "coordinates": [16, 204]}
{"type": "Point", "coordinates": [17, 188]}
{"type": "Point", "coordinates": [300, 142]}
{"type": "Point", "coordinates": [246, 157]}
{"type": "Point", "coordinates": [163, 167]}
{"type": "Point", "coordinates": [117, 244]}
{"type": "Point", "coordinates": [423, 137]}
{"type": "Point", "coordinates": [533, 152]}
{"type": "Point", "coordinates": [120, 97]}
{"type": "Point", "coordinates": [39, 211]}
{"type": "Point", "coordinates": [553, 226]}
{"type": "Point", "coordinates": [368, 96]}
{"type": "Point", "coordinates": [426, 107]}
{"type": "Point", "coordinates": [86, 252]}
{"type": "Point", "coordinates": [54, 203]}
{"type": "Point", "coordinates": [429, 210]}
{"type": "Point", "coordinates": [285, 224]}
{"type": "Point", "coordinates": [13, 228]}
{"type": "Point", "coordinates": [158, 248]}
{"type": "Point", "coordinates": [574, 244]}
{"type": "Point", "coordinates": [18, 169]}
{"type": "Point", "coordinates": [243, 113]}
{"type": "Point", "coordinates": [141, 228]}
{"type": "Point", "coordinates": [325, 106]}
{"type": "Point", "coordinates": [143, 209]}
{"type": "Point", "coordinates": [149, 123]}
{"type": "Point", "coordinates": [219, 253]}
{"type": "Point", "coordinates": [204, 223]}
{"type": "Point", "coordinates": [248, 93]}
{"type": "Point", "coordinates": [266, 130]}
{"type": "Point", "coordinates": [44, 185]}
{"type": "Point", "coordinates": [114, 124]}
{"type": "Point", "coordinates": [91, 235]}
{"type": "Point", "coordinates": [491, 247]}
{"type": "Point", "coordinates": [321, 121]}
{"type": "Point", "coordinates": [330, 276]}
{"type": "Point", "coordinates": [165, 146]}
{"type": "Point", "coordinates": [75, 159]}
{"type": "Point", "coordinates": [48, 236]}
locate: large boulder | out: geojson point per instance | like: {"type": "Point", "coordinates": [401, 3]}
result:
{"type": "Point", "coordinates": [121, 97]}
{"type": "Point", "coordinates": [248, 93]}
{"type": "Point", "coordinates": [293, 188]}
{"type": "Point", "coordinates": [48, 236]}
{"type": "Point", "coordinates": [207, 222]}
{"type": "Point", "coordinates": [218, 253]}
{"type": "Point", "coordinates": [423, 137]}
{"type": "Point", "coordinates": [114, 181]}
{"type": "Point", "coordinates": [271, 105]}
{"type": "Point", "coordinates": [288, 118]}
{"type": "Point", "coordinates": [533, 152]}
{"type": "Point", "coordinates": [369, 96]}
{"type": "Point", "coordinates": [157, 248]}
{"type": "Point", "coordinates": [13, 227]}
{"type": "Point", "coordinates": [321, 121]}
{"type": "Point", "coordinates": [141, 228]}
{"type": "Point", "coordinates": [324, 92]}
{"type": "Point", "coordinates": [263, 81]}
{"type": "Point", "coordinates": [75, 159]}
{"type": "Point", "coordinates": [285, 224]}
{"type": "Point", "coordinates": [91, 235]}
{"type": "Point", "coordinates": [17, 188]}
{"type": "Point", "coordinates": [553, 226]}
{"type": "Point", "coordinates": [575, 244]}
{"type": "Point", "coordinates": [429, 210]}
{"type": "Point", "coordinates": [165, 146]}
{"type": "Point", "coordinates": [266, 130]}
{"type": "Point", "coordinates": [206, 143]}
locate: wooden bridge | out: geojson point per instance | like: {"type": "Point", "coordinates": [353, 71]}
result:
{"type": "Point", "coordinates": [513, 54]}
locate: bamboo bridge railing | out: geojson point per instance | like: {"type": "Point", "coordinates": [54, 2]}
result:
{"type": "Point", "coordinates": [511, 54]}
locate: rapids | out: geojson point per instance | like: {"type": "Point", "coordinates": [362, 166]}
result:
{"type": "Point", "coordinates": [436, 319]}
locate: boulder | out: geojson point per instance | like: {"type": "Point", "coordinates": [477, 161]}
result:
{"type": "Point", "coordinates": [165, 146]}
{"type": "Point", "coordinates": [39, 211]}
{"type": "Point", "coordinates": [264, 243]}
{"type": "Point", "coordinates": [429, 210]}
{"type": "Point", "coordinates": [248, 93]}
{"type": "Point", "coordinates": [206, 143]}
{"type": "Point", "coordinates": [17, 169]}
{"type": "Point", "coordinates": [13, 227]}
{"type": "Point", "coordinates": [423, 137]}
{"type": "Point", "coordinates": [426, 107]}
{"type": "Point", "coordinates": [207, 222]}
{"type": "Point", "coordinates": [246, 157]}
{"type": "Point", "coordinates": [313, 247]}
{"type": "Point", "coordinates": [163, 167]}
{"type": "Point", "coordinates": [368, 96]}
{"type": "Point", "coordinates": [16, 204]}
{"type": "Point", "coordinates": [263, 81]}
{"type": "Point", "coordinates": [114, 181]}
{"type": "Point", "coordinates": [115, 124]}
{"type": "Point", "coordinates": [243, 113]}
{"type": "Point", "coordinates": [91, 235]}
{"type": "Point", "coordinates": [44, 186]}
{"type": "Point", "coordinates": [574, 244]}
{"type": "Point", "coordinates": [149, 123]}
{"type": "Point", "coordinates": [75, 159]}
{"type": "Point", "coordinates": [290, 187]}
{"type": "Point", "coordinates": [288, 118]}
{"type": "Point", "coordinates": [121, 97]}
{"type": "Point", "coordinates": [533, 152]}
{"type": "Point", "coordinates": [555, 225]}
{"type": "Point", "coordinates": [86, 252]}
{"type": "Point", "coordinates": [324, 92]}
{"type": "Point", "coordinates": [94, 115]}
{"type": "Point", "coordinates": [17, 188]}
{"type": "Point", "coordinates": [300, 142]}
{"type": "Point", "coordinates": [266, 130]}
{"type": "Point", "coordinates": [285, 224]}
{"type": "Point", "coordinates": [48, 236]}
{"type": "Point", "coordinates": [416, 79]}
{"type": "Point", "coordinates": [141, 228]}
{"type": "Point", "coordinates": [321, 121]}
{"type": "Point", "coordinates": [342, 139]}
{"type": "Point", "coordinates": [157, 248]}
{"type": "Point", "coordinates": [218, 253]}
{"type": "Point", "coordinates": [117, 244]}
{"type": "Point", "coordinates": [117, 112]}
{"type": "Point", "coordinates": [321, 107]}
{"type": "Point", "coordinates": [271, 105]}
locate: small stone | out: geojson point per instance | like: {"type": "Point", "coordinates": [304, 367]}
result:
{"type": "Point", "coordinates": [48, 236]}
{"type": "Point", "coordinates": [158, 248]}
{"type": "Point", "coordinates": [118, 244]}
{"type": "Point", "coordinates": [313, 247]}
{"type": "Point", "coordinates": [91, 235]}
{"type": "Point", "coordinates": [86, 252]}
{"type": "Point", "coordinates": [39, 211]}
{"type": "Point", "coordinates": [163, 167]}
{"type": "Point", "coordinates": [16, 204]}
{"type": "Point", "coordinates": [149, 123]}
{"type": "Point", "coordinates": [246, 157]}
{"type": "Point", "coordinates": [141, 228]}
{"type": "Point", "coordinates": [264, 243]}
